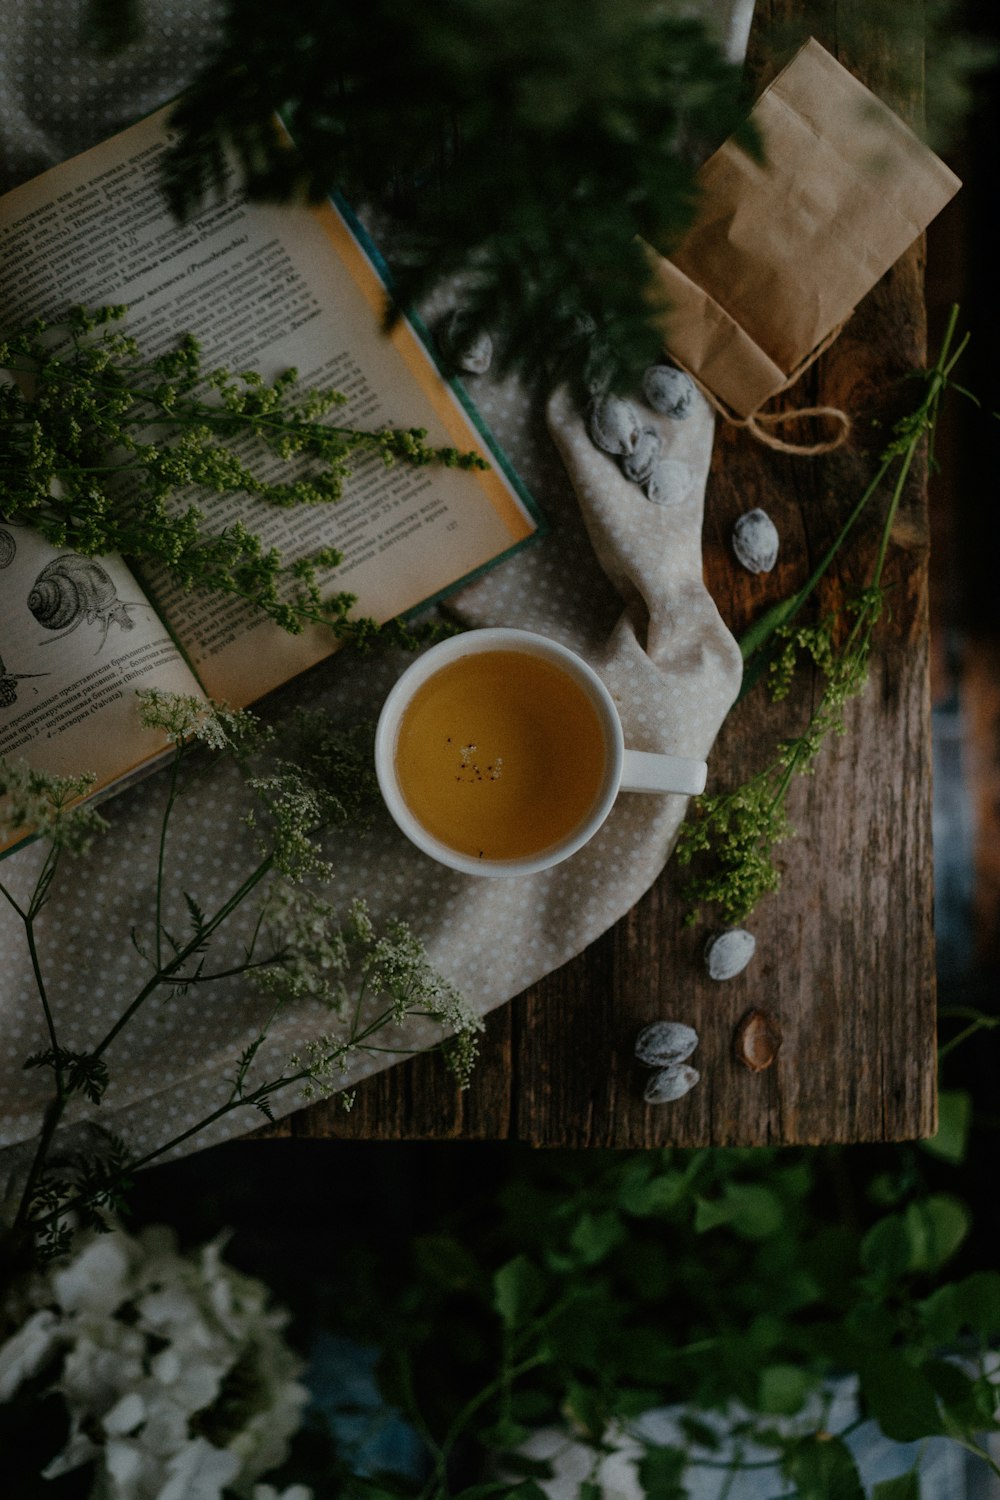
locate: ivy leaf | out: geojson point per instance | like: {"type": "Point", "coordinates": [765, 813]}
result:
{"type": "Point", "coordinates": [936, 1227]}
{"type": "Point", "coordinates": [954, 1121]}
{"type": "Point", "coordinates": [822, 1468]}
{"type": "Point", "coordinates": [899, 1396]}
{"type": "Point", "coordinates": [595, 1235]}
{"type": "Point", "coordinates": [517, 1290]}
{"type": "Point", "coordinates": [660, 1473]}
{"type": "Point", "coordinates": [753, 1211]}
{"type": "Point", "coordinates": [885, 1249]}
{"type": "Point", "coordinates": [971, 1305]}
{"type": "Point", "coordinates": [783, 1389]}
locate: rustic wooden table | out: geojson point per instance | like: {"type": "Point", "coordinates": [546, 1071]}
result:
{"type": "Point", "coordinates": [845, 947]}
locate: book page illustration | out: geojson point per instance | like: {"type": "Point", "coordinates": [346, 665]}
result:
{"type": "Point", "coordinates": [72, 661]}
{"type": "Point", "coordinates": [266, 287]}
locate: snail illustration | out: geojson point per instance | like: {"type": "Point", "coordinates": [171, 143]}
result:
{"type": "Point", "coordinates": [72, 590]}
{"type": "Point", "coordinates": [7, 548]}
{"type": "Point", "coordinates": [8, 684]}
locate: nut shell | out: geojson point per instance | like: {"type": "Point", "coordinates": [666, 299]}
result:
{"type": "Point", "coordinates": [757, 1040]}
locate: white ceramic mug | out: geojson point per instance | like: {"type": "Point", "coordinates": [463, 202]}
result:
{"type": "Point", "coordinates": [623, 770]}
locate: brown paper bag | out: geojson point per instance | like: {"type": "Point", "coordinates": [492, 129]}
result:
{"type": "Point", "coordinates": [783, 250]}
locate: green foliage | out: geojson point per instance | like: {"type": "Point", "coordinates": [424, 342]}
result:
{"type": "Point", "coordinates": [586, 1291]}
{"type": "Point", "coordinates": [310, 780]}
{"type": "Point", "coordinates": [524, 146]}
{"type": "Point", "coordinates": [112, 452]}
{"type": "Point", "coordinates": [730, 836]}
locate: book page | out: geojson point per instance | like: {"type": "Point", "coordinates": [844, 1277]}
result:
{"type": "Point", "coordinates": [267, 287]}
{"type": "Point", "coordinates": [77, 639]}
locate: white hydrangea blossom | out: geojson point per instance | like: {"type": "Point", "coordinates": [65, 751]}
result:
{"type": "Point", "coordinates": [144, 1342]}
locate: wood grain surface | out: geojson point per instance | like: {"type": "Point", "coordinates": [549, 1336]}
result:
{"type": "Point", "coordinates": [845, 947]}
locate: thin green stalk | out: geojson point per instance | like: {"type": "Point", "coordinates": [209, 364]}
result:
{"type": "Point", "coordinates": [224, 911]}
{"type": "Point", "coordinates": [162, 852]}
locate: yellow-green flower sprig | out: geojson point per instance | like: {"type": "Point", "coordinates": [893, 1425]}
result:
{"type": "Point", "coordinates": [79, 465]}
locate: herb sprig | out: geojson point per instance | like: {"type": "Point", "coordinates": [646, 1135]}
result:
{"type": "Point", "coordinates": [108, 451]}
{"type": "Point", "coordinates": [360, 984]}
{"type": "Point", "coordinates": [731, 836]}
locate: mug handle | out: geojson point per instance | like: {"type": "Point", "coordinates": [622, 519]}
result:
{"type": "Point", "coordinates": [647, 771]}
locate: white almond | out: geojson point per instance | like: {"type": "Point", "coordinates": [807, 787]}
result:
{"type": "Point", "coordinates": [665, 1042]}
{"type": "Point", "coordinates": [728, 953]}
{"type": "Point", "coordinates": [755, 541]}
{"type": "Point", "coordinates": [671, 1083]}
{"type": "Point", "coordinates": [668, 391]}
{"type": "Point", "coordinates": [613, 425]}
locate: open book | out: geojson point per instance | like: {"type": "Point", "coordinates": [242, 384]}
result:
{"type": "Point", "coordinates": [262, 287]}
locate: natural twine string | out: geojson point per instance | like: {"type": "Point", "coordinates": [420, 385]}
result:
{"type": "Point", "coordinates": [758, 421]}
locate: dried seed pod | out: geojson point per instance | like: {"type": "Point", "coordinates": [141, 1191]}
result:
{"type": "Point", "coordinates": [669, 482]}
{"type": "Point", "coordinates": [671, 1083]}
{"type": "Point", "coordinates": [669, 391]}
{"type": "Point", "coordinates": [665, 1042]}
{"type": "Point", "coordinates": [755, 541]}
{"type": "Point", "coordinates": [469, 350]}
{"type": "Point", "coordinates": [613, 425]}
{"type": "Point", "coordinates": [757, 1040]}
{"type": "Point", "coordinates": [638, 465]}
{"type": "Point", "coordinates": [728, 953]}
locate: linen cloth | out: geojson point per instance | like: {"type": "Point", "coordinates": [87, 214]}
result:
{"type": "Point", "coordinates": [618, 578]}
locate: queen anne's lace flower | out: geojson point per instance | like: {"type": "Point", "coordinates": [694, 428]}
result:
{"type": "Point", "coordinates": [175, 1375]}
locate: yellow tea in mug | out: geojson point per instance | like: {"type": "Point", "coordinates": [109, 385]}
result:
{"type": "Point", "coordinates": [500, 754]}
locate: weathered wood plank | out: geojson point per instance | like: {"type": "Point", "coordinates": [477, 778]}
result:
{"type": "Point", "coordinates": [845, 947]}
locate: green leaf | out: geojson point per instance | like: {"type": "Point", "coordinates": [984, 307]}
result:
{"type": "Point", "coordinates": [971, 1403]}
{"type": "Point", "coordinates": [954, 1120]}
{"type": "Point", "coordinates": [936, 1227]}
{"type": "Point", "coordinates": [758, 1212]}
{"type": "Point", "coordinates": [586, 1407]}
{"type": "Point", "coordinates": [822, 1468]}
{"type": "Point", "coordinates": [445, 1262]}
{"type": "Point", "coordinates": [971, 1305]}
{"type": "Point", "coordinates": [899, 1396]}
{"type": "Point", "coordinates": [655, 1195]}
{"type": "Point", "coordinates": [595, 1235]}
{"type": "Point", "coordinates": [783, 1389]}
{"type": "Point", "coordinates": [752, 1210]}
{"type": "Point", "coordinates": [903, 1487]}
{"type": "Point", "coordinates": [660, 1473]}
{"type": "Point", "coordinates": [765, 625]}
{"type": "Point", "coordinates": [886, 1248]}
{"type": "Point", "coordinates": [517, 1290]}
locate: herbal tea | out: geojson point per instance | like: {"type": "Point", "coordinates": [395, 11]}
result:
{"type": "Point", "coordinates": [500, 755]}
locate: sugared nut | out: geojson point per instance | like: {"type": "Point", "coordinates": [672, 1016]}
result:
{"type": "Point", "coordinates": [638, 464]}
{"type": "Point", "coordinates": [728, 953]}
{"type": "Point", "coordinates": [468, 351]}
{"type": "Point", "coordinates": [669, 482]}
{"type": "Point", "coordinates": [755, 541]}
{"type": "Point", "coordinates": [668, 390]}
{"type": "Point", "coordinates": [670, 1084]}
{"type": "Point", "coordinates": [665, 1042]}
{"type": "Point", "coordinates": [757, 1040]}
{"type": "Point", "coordinates": [613, 425]}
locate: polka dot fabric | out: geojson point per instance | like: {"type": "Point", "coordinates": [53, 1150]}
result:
{"type": "Point", "coordinates": [617, 578]}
